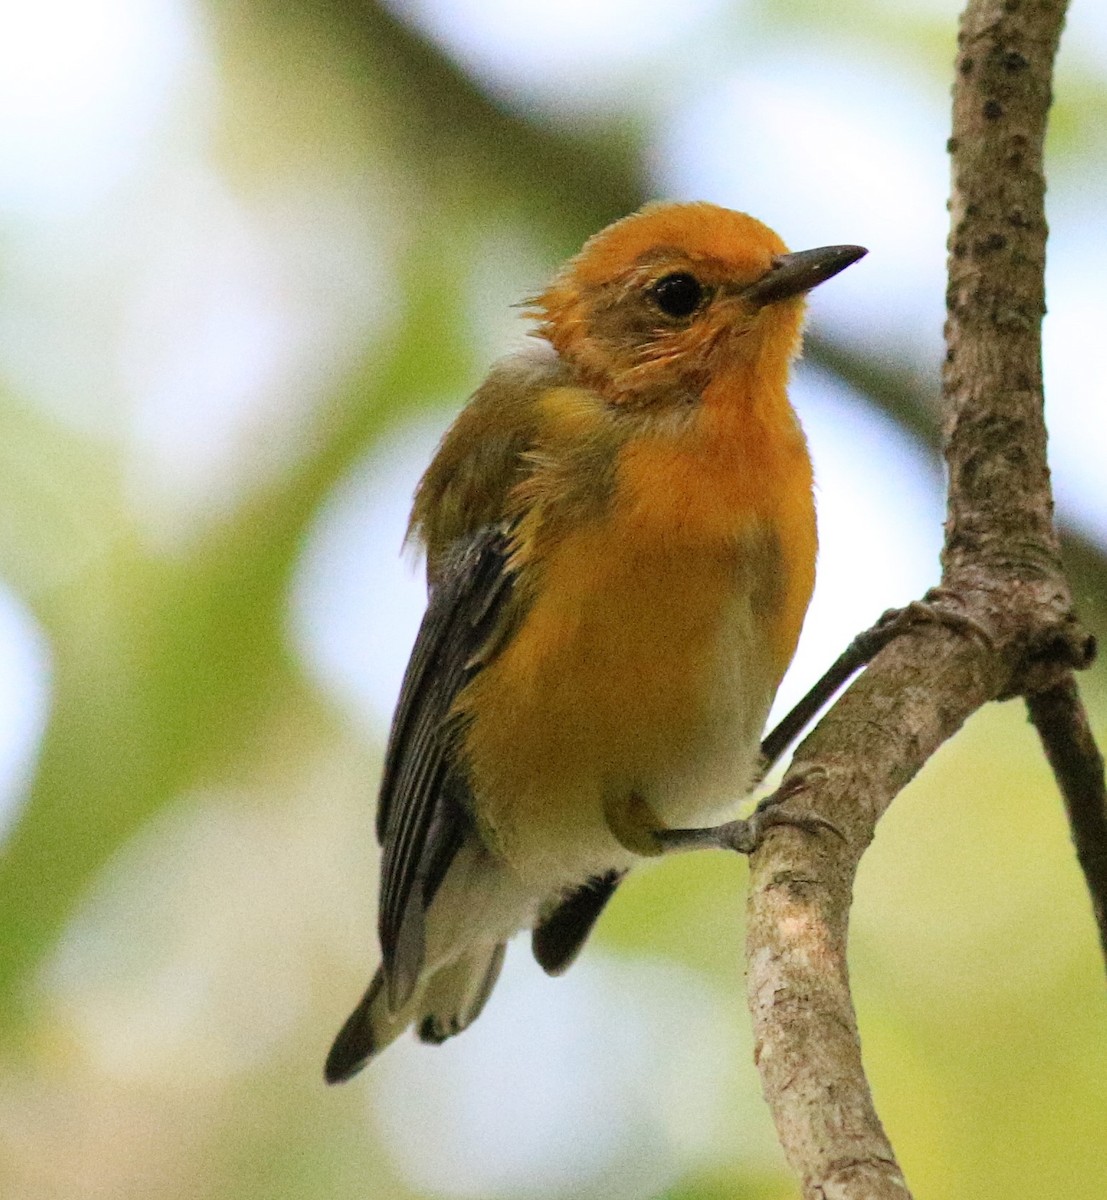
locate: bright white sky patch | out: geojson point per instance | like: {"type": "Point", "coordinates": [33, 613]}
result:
{"type": "Point", "coordinates": [244, 318]}
{"type": "Point", "coordinates": [24, 701]}
{"type": "Point", "coordinates": [83, 84]}
{"type": "Point", "coordinates": [567, 55]}
{"type": "Point", "coordinates": [583, 1086]}
{"type": "Point", "coordinates": [1085, 33]}
{"type": "Point", "coordinates": [356, 600]}
{"type": "Point", "coordinates": [1076, 393]}
{"type": "Point", "coordinates": [880, 522]}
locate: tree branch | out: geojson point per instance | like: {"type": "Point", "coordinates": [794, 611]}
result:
{"type": "Point", "coordinates": [1062, 724]}
{"type": "Point", "coordinates": [1000, 530]}
{"type": "Point", "coordinates": [917, 692]}
{"type": "Point", "coordinates": [1001, 569]}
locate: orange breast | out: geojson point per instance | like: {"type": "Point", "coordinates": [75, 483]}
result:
{"type": "Point", "coordinates": [652, 649]}
{"type": "Point", "coordinates": [746, 474]}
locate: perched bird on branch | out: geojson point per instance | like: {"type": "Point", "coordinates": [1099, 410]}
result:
{"type": "Point", "coordinates": [620, 540]}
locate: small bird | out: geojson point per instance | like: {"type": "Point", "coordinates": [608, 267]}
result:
{"type": "Point", "coordinates": [620, 543]}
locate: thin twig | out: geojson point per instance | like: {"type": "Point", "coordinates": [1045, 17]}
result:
{"type": "Point", "coordinates": [1058, 715]}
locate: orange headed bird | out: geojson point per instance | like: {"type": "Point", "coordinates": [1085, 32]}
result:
{"type": "Point", "coordinates": [620, 541]}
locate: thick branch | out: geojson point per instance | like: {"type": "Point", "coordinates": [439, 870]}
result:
{"type": "Point", "coordinates": [917, 693]}
{"type": "Point", "coordinates": [1001, 568]}
{"type": "Point", "coordinates": [1062, 724]}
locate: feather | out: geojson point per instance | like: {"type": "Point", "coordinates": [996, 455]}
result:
{"type": "Point", "coordinates": [425, 804]}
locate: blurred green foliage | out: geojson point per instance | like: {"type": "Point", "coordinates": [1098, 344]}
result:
{"type": "Point", "coordinates": [186, 894]}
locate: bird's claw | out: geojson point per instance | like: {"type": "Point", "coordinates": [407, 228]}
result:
{"type": "Point", "coordinates": [746, 835]}
{"type": "Point", "coordinates": [931, 609]}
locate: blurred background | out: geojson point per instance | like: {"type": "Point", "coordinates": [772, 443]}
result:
{"type": "Point", "coordinates": [253, 256]}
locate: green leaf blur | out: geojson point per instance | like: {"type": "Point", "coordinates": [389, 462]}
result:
{"type": "Point", "coordinates": [186, 894]}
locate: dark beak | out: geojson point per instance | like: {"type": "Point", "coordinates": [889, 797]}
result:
{"type": "Point", "coordinates": [792, 274]}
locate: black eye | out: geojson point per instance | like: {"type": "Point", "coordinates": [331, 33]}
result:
{"type": "Point", "coordinates": [678, 295]}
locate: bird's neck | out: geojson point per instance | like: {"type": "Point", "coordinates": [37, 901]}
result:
{"type": "Point", "coordinates": [747, 422]}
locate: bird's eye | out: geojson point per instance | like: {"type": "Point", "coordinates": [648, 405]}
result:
{"type": "Point", "coordinates": [678, 295]}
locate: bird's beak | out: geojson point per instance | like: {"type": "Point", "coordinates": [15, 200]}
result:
{"type": "Point", "coordinates": [792, 274]}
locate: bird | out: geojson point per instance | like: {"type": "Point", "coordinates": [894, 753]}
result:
{"type": "Point", "coordinates": [620, 540]}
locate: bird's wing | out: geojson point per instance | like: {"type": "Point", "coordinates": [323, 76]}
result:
{"type": "Point", "coordinates": [423, 814]}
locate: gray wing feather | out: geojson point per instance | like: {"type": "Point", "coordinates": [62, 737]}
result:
{"type": "Point", "coordinates": [423, 814]}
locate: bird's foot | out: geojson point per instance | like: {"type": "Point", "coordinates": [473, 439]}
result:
{"type": "Point", "coordinates": [746, 835]}
{"type": "Point", "coordinates": [932, 609]}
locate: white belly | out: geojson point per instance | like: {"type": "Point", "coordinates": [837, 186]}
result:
{"type": "Point", "coordinates": [706, 786]}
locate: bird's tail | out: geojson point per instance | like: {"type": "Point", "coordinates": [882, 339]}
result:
{"type": "Point", "coordinates": [444, 1002]}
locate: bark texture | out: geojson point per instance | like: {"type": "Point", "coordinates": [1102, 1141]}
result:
{"type": "Point", "coordinates": [1001, 571]}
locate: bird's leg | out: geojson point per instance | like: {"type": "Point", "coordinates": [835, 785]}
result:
{"type": "Point", "coordinates": [746, 834]}
{"type": "Point", "coordinates": [864, 647]}
{"type": "Point", "coordinates": [633, 824]}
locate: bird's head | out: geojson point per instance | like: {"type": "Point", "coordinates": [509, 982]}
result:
{"type": "Point", "coordinates": [658, 303]}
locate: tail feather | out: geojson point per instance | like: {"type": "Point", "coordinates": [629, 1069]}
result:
{"type": "Point", "coordinates": [455, 995]}
{"type": "Point", "coordinates": [443, 1004]}
{"type": "Point", "coordinates": [561, 933]}
{"type": "Point", "coordinates": [365, 1032]}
